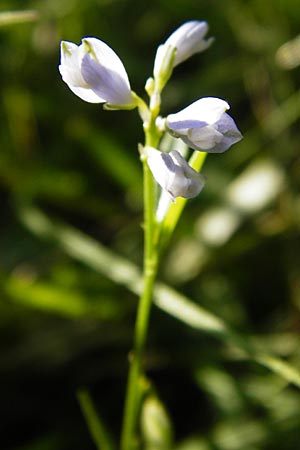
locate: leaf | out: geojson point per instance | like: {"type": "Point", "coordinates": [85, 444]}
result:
{"type": "Point", "coordinates": [17, 17]}
{"type": "Point", "coordinates": [93, 254]}
{"type": "Point", "coordinates": [94, 422]}
{"type": "Point", "coordinates": [58, 300]}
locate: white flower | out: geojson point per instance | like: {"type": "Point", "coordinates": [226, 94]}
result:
{"type": "Point", "coordinates": [95, 73]}
{"type": "Point", "coordinates": [205, 126]}
{"type": "Point", "coordinates": [188, 39]}
{"type": "Point", "coordinates": [180, 45]}
{"type": "Point", "coordinates": [173, 173]}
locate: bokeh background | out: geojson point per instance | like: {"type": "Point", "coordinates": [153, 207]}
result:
{"type": "Point", "coordinates": [70, 177]}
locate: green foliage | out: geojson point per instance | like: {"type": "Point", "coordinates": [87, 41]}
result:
{"type": "Point", "coordinates": [223, 355]}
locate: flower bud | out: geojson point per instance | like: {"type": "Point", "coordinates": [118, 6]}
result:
{"type": "Point", "coordinates": [173, 173]}
{"type": "Point", "coordinates": [188, 39]}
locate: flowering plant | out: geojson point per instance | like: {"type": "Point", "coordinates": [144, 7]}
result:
{"type": "Point", "coordinates": [95, 73]}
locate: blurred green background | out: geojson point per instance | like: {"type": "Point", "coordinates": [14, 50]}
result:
{"type": "Point", "coordinates": [70, 176]}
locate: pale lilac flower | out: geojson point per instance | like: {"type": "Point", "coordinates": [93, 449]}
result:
{"type": "Point", "coordinates": [188, 39]}
{"type": "Point", "coordinates": [205, 126]}
{"type": "Point", "coordinates": [173, 173]}
{"type": "Point", "coordinates": [95, 73]}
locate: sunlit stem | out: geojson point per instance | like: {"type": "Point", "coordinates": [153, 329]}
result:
{"type": "Point", "coordinates": [156, 235]}
{"type": "Point", "coordinates": [135, 390]}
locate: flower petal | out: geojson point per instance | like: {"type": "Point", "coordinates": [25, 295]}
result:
{"type": "Point", "coordinates": [204, 138]}
{"type": "Point", "coordinates": [215, 138]}
{"type": "Point", "coordinates": [231, 134]}
{"type": "Point", "coordinates": [106, 83]}
{"type": "Point", "coordinates": [70, 67]}
{"type": "Point", "coordinates": [202, 112]}
{"type": "Point", "coordinates": [173, 173]}
{"type": "Point", "coordinates": [95, 73]}
{"type": "Point", "coordinates": [205, 126]}
{"type": "Point", "coordinates": [189, 39]}
{"type": "Point", "coordinates": [194, 181]}
{"type": "Point", "coordinates": [71, 73]}
{"type": "Point", "coordinates": [104, 72]}
{"type": "Point", "coordinates": [161, 166]}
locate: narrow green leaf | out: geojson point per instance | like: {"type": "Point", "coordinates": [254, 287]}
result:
{"type": "Point", "coordinates": [93, 421]}
{"type": "Point", "coordinates": [17, 17]}
{"type": "Point", "coordinates": [58, 300]}
{"type": "Point", "coordinates": [93, 254]}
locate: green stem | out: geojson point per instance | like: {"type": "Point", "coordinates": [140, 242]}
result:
{"type": "Point", "coordinates": [134, 392]}
{"type": "Point", "coordinates": [93, 421]}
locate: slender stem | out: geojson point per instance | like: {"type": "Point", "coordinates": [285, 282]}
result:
{"type": "Point", "coordinates": [150, 261]}
{"type": "Point", "coordinates": [135, 383]}
{"type": "Point", "coordinates": [93, 421]}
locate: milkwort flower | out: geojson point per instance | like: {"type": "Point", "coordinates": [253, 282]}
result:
{"type": "Point", "coordinates": [205, 126]}
{"type": "Point", "coordinates": [188, 39]}
{"type": "Point", "coordinates": [95, 73]}
{"type": "Point", "coordinates": [184, 42]}
{"type": "Point", "coordinates": [173, 173]}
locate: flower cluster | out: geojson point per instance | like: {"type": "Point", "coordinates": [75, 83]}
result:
{"type": "Point", "coordinates": [95, 73]}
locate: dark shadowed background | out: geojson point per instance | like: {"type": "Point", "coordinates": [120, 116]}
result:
{"type": "Point", "coordinates": [70, 172]}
